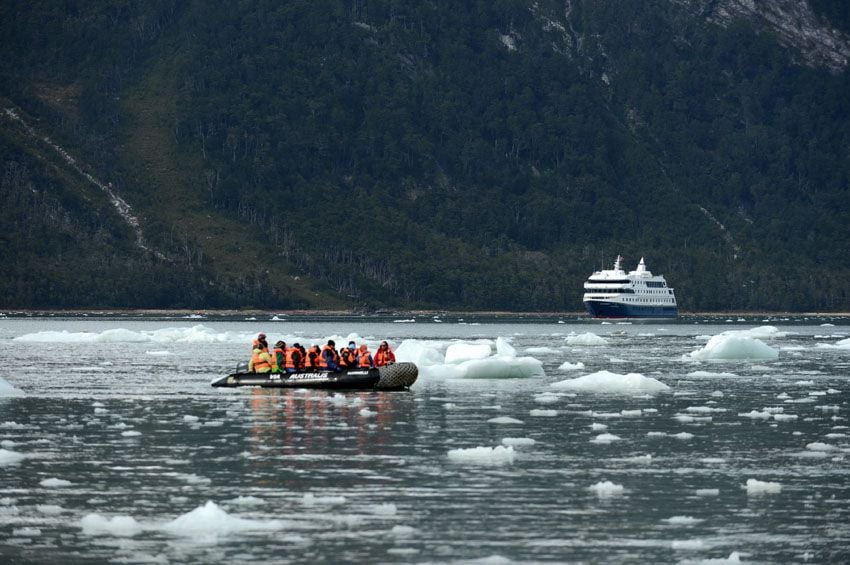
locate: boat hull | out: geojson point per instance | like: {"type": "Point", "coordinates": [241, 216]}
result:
{"type": "Point", "coordinates": [602, 309]}
{"type": "Point", "coordinates": [397, 376]}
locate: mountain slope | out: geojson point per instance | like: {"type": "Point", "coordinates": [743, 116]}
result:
{"type": "Point", "coordinates": [474, 156]}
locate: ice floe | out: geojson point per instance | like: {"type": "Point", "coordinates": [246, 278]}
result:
{"type": "Point", "coordinates": [210, 520]}
{"type": "Point", "coordinates": [7, 390]}
{"type": "Point", "coordinates": [119, 526]}
{"type": "Point", "coordinates": [735, 345]}
{"type": "Point", "coordinates": [588, 338]}
{"type": "Point", "coordinates": [499, 455]}
{"type": "Point", "coordinates": [471, 361]}
{"type": "Point", "coordinates": [607, 382]}
{"type": "Point", "coordinates": [606, 489]}
{"type": "Point", "coordinates": [10, 457]}
{"type": "Point", "coordinates": [756, 487]}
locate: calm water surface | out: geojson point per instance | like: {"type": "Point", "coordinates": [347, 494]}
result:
{"type": "Point", "coordinates": [120, 450]}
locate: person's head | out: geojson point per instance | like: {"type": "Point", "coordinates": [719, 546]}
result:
{"type": "Point", "coordinates": [352, 346]}
{"type": "Point", "coordinates": [296, 345]}
{"type": "Point", "coordinates": [363, 348]}
{"type": "Point", "coordinates": [331, 343]}
{"type": "Point", "coordinates": [280, 344]}
{"type": "Point", "coordinates": [384, 345]}
{"type": "Point", "coordinates": [261, 336]}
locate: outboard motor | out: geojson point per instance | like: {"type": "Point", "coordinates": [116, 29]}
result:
{"type": "Point", "coordinates": [242, 367]}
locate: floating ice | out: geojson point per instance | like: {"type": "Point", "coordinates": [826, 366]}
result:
{"type": "Point", "coordinates": [403, 531]}
{"type": "Point", "coordinates": [613, 383]}
{"type": "Point", "coordinates": [547, 398]}
{"type": "Point", "coordinates": [120, 526]}
{"type": "Point", "coordinates": [734, 346]}
{"type": "Point", "coordinates": [498, 455]}
{"type": "Point", "coordinates": [820, 446]}
{"type": "Point", "coordinates": [606, 489]}
{"type": "Point", "coordinates": [211, 520]}
{"type": "Point", "coordinates": [682, 520]}
{"type": "Point", "coordinates": [756, 487]}
{"type": "Point", "coordinates": [460, 352]}
{"type": "Point", "coordinates": [504, 420]}
{"type": "Point", "coordinates": [688, 545]}
{"type": "Point", "coordinates": [49, 509]}
{"type": "Point", "coordinates": [708, 492]}
{"type": "Point", "coordinates": [605, 438]}
{"type": "Point", "coordinates": [588, 338]}
{"type": "Point", "coordinates": [683, 435]}
{"type": "Point", "coordinates": [131, 433]}
{"type": "Point", "coordinates": [545, 413]}
{"type": "Point", "coordinates": [7, 390]}
{"type": "Point", "coordinates": [26, 531]}
{"type": "Point", "coordinates": [598, 427]}
{"type": "Point", "coordinates": [10, 457]}
{"type": "Point", "coordinates": [567, 366]}
{"type": "Point", "coordinates": [54, 482]}
{"type": "Point", "coordinates": [474, 361]}
{"type": "Point", "coordinates": [710, 374]}
{"type": "Point", "coordinates": [518, 441]}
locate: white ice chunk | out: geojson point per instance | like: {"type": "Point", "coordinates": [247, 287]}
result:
{"type": "Point", "coordinates": [820, 446]}
{"type": "Point", "coordinates": [605, 438]}
{"type": "Point", "coordinates": [499, 455]}
{"type": "Point", "coordinates": [54, 482]}
{"type": "Point", "coordinates": [10, 457]}
{"type": "Point", "coordinates": [518, 441]}
{"type": "Point", "coordinates": [613, 383]}
{"type": "Point", "coordinates": [9, 391]}
{"type": "Point", "coordinates": [543, 413]}
{"type": "Point", "coordinates": [120, 526]}
{"type": "Point", "coordinates": [606, 489]}
{"type": "Point", "coordinates": [588, 338]}
{"type": "Point", "coordinates": [734, 345]}
{"type": "Point", "coordinates": [211, 520]}
{"type": "Point", "coordinates": [547, 398]}
{"type": "Point", "coordinates": [708, 492]}
{"type": "Point", "coordinates": [567, 366]}
{"type": "Point", "coordinates": [682, 520]}
{"type": "Point", "coordinates": [460, 352]}
{"type": "Point", "coordinates": [311, 499]}
{"type": "Point", "coordinates": [504, 420]}
{"type": "Point", "coordinates": [756, 487]}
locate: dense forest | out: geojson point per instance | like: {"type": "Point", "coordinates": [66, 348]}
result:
{"type": "Point", "coordinates": [365, 154]}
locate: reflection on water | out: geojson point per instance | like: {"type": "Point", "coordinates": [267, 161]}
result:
{"type": "Point", "coordinates": [310, 476]}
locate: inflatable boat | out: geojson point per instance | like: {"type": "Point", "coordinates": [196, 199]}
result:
{"type": "Point", "coordinates": [396, 376]}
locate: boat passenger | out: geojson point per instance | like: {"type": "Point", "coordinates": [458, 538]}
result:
{"type": "Point", "coordinates": [384, 355]}
{"type": "Point", "coordinates": [260, 342]}
{"type": "Point", "coordinates": [330, 358]}
{"type": "Point", "coordinates": [364, 358]}
{"type": "Point", "coordinates": [261, 361]}
{"type": "Point", "coordinates": [347, 357]}
{"type": "Point", "coordinates": [313, 362]}
{"type": "Point", "coordinates": [299, 366]}
{"type": "Point", "coordinates": [293, 360]}
{"type": "Point", "coordinates": [279, 357]}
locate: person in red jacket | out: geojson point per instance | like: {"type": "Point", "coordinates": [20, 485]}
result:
{"type": "Point", "coordinates": [384, 355]}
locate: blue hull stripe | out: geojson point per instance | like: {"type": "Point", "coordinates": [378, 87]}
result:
{"type": "Point", "coordinates": [614, 310]}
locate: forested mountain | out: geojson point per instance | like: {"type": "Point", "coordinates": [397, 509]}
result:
{"type": "Point", "coordinates": [458, 155]}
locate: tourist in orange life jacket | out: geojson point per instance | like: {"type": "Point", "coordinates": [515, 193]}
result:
{"type": "Point", "coordinates": [314, 358]}
{"type": "Point", "coordinates": [293, 359]}
{"type": "Point", "coordinates": [261, 342]}
{"type": "Point", "coordinates": [347, 357]}
{"type": "Point", "coordinates": [384, 355]}
{"type": "Point", "coordinates": [279, 357]}
{"type": "Point", "coordinates": [299, 365]}
{"type": "Point", "coordinates": [330, 358]}
{"type": "Point", "coordinates": [364, 358]}
{"type": "Point", "coordinates": [261, 361]}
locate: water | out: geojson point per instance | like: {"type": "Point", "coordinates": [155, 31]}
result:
{"type": "Point", "coordinates": [161, 467]}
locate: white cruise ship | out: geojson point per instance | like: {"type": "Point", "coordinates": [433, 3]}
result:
{"type": "Point", "coordinates": [638, 294]}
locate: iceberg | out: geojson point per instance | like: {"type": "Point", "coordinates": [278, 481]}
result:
{"type": "Point", "coordinates": [734, 346]}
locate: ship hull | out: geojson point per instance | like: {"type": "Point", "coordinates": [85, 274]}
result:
{"type": "Point", "coordinates": [603, 309]}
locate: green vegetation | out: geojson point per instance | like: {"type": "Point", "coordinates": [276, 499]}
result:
{"type": "Point", "coordinates": [457, 155]}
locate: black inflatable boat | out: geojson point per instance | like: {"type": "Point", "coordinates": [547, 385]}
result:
{"type": "Point", "coordinates": [397, 376]}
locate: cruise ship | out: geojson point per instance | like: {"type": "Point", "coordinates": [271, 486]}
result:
{"type": "Point", "coordinates": [637, 294]}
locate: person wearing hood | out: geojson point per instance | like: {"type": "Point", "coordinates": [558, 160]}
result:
{"type": "Point", "coordinates": [364, 358]}
{"type": "Point", "coordinates": [261, 361]}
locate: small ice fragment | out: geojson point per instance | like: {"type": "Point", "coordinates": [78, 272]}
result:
{"type": "Point", "coordinates": [756, 487]}
{"type": "Point", "coordinates": [54, 482]}
{"type": "Point", "coordinates": [606, 489]}
{"type": "Point", "coordinates": [605, 438]}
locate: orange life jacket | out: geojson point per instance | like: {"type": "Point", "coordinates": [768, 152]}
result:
{"type": "Point", "coordinates": [384, 356]}
{"type": "Point", "coordinates": [313, 360]}
{"type": "Point", "coordinates": [365, 359]}
{"type": "Point", "coordinates": [288, 363]}
{"type": "Point", "coordinates": [321, 359]}
{"type": "Point", "coordinates": [257, 363]}
{"type": "Point", "coordinates": [347, 357]}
